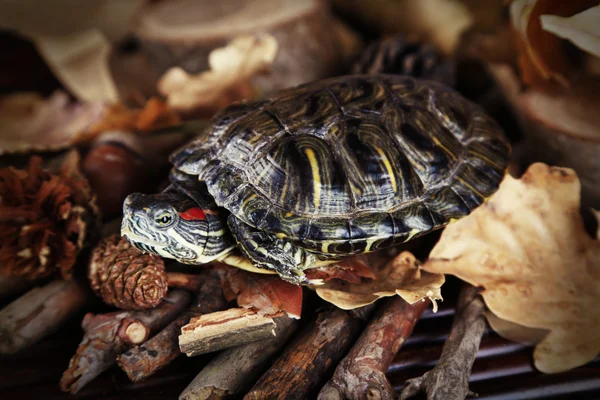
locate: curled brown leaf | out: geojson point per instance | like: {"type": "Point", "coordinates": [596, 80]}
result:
{"type": "Point", "coordinates": [529, 250]}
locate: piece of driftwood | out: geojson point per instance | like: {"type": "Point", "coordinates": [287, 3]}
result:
{"type": "Point", "coordinates": [144, 360]}
{"type": "Point", "coordinates": [232, 372]}
{"type": "Point", "coordinates": [361, 374]}
{"type": "Point", "coordinates": [38, 313]}
{"type": "Point", "coordinates": [224, 329]}
{"type": "Point", "coordinates": [108, 335]}
{"type": "Point", "coordinates": [449, 379]}
{"type": "Point", "coordinates": [312, 44]}
{"type": "Point", "coordinates": [297, 373]}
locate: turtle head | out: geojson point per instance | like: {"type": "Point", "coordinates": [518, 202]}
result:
{"type": "Point", "coordinates": [173, 225]}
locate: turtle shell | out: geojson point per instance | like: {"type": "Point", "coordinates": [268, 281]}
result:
{"type": "Point", "coordinates": [351, 164]}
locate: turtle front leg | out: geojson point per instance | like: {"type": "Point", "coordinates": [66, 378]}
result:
{"type": "Point", "coordinates": [266, 251]}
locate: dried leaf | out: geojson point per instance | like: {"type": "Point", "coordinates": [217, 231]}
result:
{"type": "Point", "coordinates": [267, 294]}
{"type": "Point", "coordinates": [80, 61]}
{"type": "Point", "coordinates": [528, 248]}
{"type": "Point", "coordinates": [583, 29]}
{"type": "Point", "coordinates": [400, 276]}
{"type": "Point", "coordinates": [30, 123]}
{"type": "Point", "coordinates": [74, 39]}
{"type": "Point", "coordinates": [542, 55]}
{"type": "Point", "coordinates": [352, 270]}
{"type": "Point", "coordinates": [155, 114]}
{"type": "Point", "coordinates": [231, 68]}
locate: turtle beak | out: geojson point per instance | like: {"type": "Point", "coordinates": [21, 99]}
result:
{"type": "Point", "coordinates": [133, 205]}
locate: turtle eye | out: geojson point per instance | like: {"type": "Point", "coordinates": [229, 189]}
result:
{"type": "Point", "coordinates": [163, 219]}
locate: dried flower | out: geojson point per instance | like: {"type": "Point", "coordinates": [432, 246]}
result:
{"type": "Point", "coordinates": [43, 218]}
{"type": "Point", "coordinates": [125, 277]}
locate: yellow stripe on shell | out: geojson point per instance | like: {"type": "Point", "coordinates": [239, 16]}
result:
{"type": "Point", "coordinates": [469, 186]}
{"type": "Point", "coordinates": [314, 165]}
{"type": "Point", "coordinates": [388, 167]}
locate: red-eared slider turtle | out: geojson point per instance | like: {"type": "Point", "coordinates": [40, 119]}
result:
{"type": "Point", "coordinates": [321, 171]}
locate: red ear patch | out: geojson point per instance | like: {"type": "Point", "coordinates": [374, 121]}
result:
{"type": "Point", "coordinates": [193, 214]}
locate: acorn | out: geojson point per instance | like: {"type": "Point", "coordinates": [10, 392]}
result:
{"type": "Point", "coordinates": [115, 168]}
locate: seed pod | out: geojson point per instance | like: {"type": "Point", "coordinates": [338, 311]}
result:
{"type": "Point", "coordinates": [125, 277]}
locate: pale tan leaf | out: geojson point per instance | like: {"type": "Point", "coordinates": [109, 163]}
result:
{"type": "Point", "coordinates": [516, 333]}
{"type": "Point", "coordinates": [228, 79]}
{"type": "Point", "coordinates": [528, 248]}
{"type": "Point", "coordinates": [74, 39]}
{"type": "Point", "coordinates": [400, 276]}
{"type": "Point", "coordinates": [28, 122]}
{"type": "Point", "coordinates": [582, 29]}
{"type": "Point", "coordinates": [80, 61]}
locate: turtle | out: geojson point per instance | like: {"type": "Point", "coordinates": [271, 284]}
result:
{"type": "Point", "coordinates": [320, 172]}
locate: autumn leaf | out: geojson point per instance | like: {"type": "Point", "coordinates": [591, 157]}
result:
{"type": "Point", "coordinates": [542, 55]}
{"type": "Point", "coordinates": [401, 275]}
{"type": "Point", "coordinates": [154, 115]}
{"type": "Point", "coordinates": [29, 122]}
{"type": "Point", "coordinates": [267, 294]}
{"type": "Point", "coordinates": [231, 68]}
{"type": "Point", "coordinates": [350, 270]}
{"type": "Point", "coordinates": [581, 29]}
{"type": "Point", "coordinates": [540, 270]}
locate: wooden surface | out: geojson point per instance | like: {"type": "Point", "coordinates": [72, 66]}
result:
{"type": "Point", "coordinates": [503, 370]}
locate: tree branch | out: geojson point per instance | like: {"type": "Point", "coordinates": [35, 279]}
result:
{"type": "Point", "coordinates": [449, 379]}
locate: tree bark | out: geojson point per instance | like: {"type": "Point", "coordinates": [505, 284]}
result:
{"type": "Point", "coordinates": [38, 313]}
{"type": "Point", "coordinates": [107, 335]}
{"type": "Point", "coordinates": [224, 329]}
{"type": "Point", "coordinates": [449, 379]}
{"type": "Point", "coordinates": [142, 361]}
{"type": "Point", "coordinates": [362, 373]}
{"type": "Point", "coordinates": [304, 364]}
{"type": "Point", "coordinates": [232, 372]}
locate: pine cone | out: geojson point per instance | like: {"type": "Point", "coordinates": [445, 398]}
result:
{"type": "Point", "coordinates": [43, 218]}
{"type": "Point", "coordinates": [399, 56]}
{"type": "Point", "coordinates": [125, 277]}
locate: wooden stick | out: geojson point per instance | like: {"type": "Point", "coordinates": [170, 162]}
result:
{"type": "Point", "coordinates": [300, 370]}
{"type": "Point", "coordinates": [232, 372]}
{"type": "Point", "coordinates": [362, 373]}
{"type": "Point", "coordinates": [38, 313]}
{"type": "Point", "coordinates": [224, 329]}
{"type": "Point", "coordinates": [187, 282]}
{"type": "Point", "coordinates": [449, 379]}
{"type": "Point", "coordinates": [142, 361]}
{"type": "Point", "coordinates": [107, 335]}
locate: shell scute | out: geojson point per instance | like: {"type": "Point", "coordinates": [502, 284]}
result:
{"type": "Point", "coordinates": [346, 163]}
